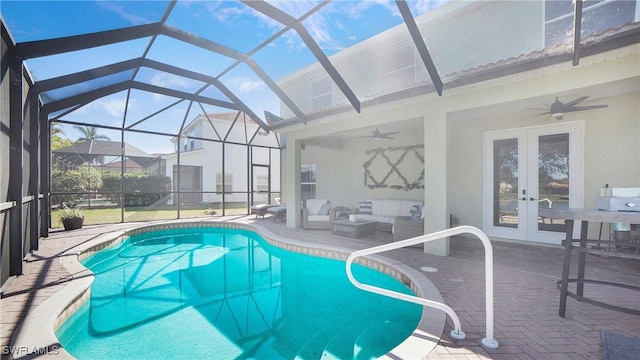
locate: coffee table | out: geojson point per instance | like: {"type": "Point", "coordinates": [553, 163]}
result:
{"type": "Point", "coordinates": [356, 230]}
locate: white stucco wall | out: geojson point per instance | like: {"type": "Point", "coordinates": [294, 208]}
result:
{"type": "Point", "coordinates": [454, 123]}
{"type": "Point", "coordinates": [611, 152]}
{"type": "Point", "coordinates": [341, 174]}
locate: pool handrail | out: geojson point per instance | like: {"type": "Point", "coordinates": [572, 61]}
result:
{"type": "Point", "coordinates": [456, 333]}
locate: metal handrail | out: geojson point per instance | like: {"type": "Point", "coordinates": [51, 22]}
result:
{"type": "Point", "coordinates": [456, 333]}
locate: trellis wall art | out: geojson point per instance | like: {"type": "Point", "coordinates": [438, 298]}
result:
{"type": "Point", "coordinates": [397, 167]}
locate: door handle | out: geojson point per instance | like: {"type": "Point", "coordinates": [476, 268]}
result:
{"type": "Point", "coordinates": [532, 199]}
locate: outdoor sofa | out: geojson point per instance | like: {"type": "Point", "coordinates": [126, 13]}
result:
{"type": "Point", "coordinates": [385, 211]}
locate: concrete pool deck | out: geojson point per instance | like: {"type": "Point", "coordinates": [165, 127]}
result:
{"type": "Point", "coordinates": [527, 324]}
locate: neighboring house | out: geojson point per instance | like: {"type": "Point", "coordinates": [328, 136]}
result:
{"type": "Point", "coordinates": [482, 146]}
{"type": "Point", "coordinates": [106, 155]}
{"type": "Point", "coordinates": [202, 179]}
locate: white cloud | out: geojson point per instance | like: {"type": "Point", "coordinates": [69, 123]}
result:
{"type": "Point", "coordinates": [116, 8]}
{"type": "Point", "coordinates": [424, 6]}
{"type": "Point", "coordinates": [169, 81]}
{"type": "Point", "coordinates": [113, 107]}
{"type": "Point", "coordinates": [244, 85]}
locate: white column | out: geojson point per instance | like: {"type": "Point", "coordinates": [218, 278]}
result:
{"type": "Point", "coordinates": [292, 182]}
{"type": "Point", "coordinates": [435, 183]}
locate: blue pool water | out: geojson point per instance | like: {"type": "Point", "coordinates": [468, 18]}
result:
{"type": "Point", "coordinates": [219, 293]}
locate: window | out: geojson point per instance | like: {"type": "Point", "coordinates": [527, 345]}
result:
{"type": "Point", "coordinates": [397, 68]}
{"type": "Point", "coordinates": [597, 16]}
{"type": "Point", "coordinates": [320, 96]}
{"type": "Point", "coordinates": [228, 182]}
{"type": "Point", "coordinates": [308, 181]}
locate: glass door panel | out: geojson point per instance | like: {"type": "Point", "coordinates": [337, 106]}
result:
{"type": "Point", "coordinates": [505, 187]}
{"type": "Point", "coordinates": [553, 178]}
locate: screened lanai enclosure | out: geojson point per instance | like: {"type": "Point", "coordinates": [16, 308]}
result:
{"type": "Point", "coordinates": [141, 110]}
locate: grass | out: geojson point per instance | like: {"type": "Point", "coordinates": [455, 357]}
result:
{"type": "Point", "coordinates": [113, 215]}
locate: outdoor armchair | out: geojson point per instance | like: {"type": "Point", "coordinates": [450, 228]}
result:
{"type": "Point", "coordinates": [316, 214]}
{"type": "Point", "coordinates": [405, 228]}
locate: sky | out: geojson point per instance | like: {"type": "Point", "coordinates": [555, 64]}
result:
{"type": "Point", "coordinates": [337, 25]}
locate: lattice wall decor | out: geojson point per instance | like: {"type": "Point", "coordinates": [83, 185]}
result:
{"type": "Point", "coordinates": [398, 167]}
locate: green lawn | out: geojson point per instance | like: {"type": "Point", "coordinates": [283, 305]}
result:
{"type": "Point", "coordinates": [132, 214]}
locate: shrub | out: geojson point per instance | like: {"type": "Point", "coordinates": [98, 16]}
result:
{"type": "Point", "coordinates": [67, 213]}
{"type": "Point", "coordinates": [73, 183]}
{"type": "Point", "coordinates": [139, 189]}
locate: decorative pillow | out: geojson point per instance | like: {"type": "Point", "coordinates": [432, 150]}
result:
{"type": "Point", "coordinates": [324, 210]}
{"type": "Point", "coordinates": [413, 209]}
{"type": "Point", "coordinates": [416, 215]}
{"type": "Point", "coordinates": [364, 207]}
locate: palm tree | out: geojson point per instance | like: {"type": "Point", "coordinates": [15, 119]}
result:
{"type": "Point", "coordinates": [89, 133]}
{"type": "Point", "coordinates": [58, 137]}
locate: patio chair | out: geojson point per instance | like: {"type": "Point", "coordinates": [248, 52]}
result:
{"type": "Point", "coordinates": [316, 214]}
{"type": "Point", "coordinates": [279, 212]}
{"type": "Point", "coordinates": [405, 228]}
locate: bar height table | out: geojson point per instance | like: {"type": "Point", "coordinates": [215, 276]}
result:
{"type": "Point", "coordinates": [583, 216]}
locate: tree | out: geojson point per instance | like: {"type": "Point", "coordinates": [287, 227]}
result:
{"type": "Point", "coordinates": [58, 137]}
{"type": "Point", "coordinates": [89, 133]}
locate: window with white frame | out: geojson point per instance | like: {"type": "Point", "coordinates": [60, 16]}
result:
{"type": "Point", "coordinates": [308, 181]}
{"type": "Point", "coordinates": [228, 182]}
{"type": "Point", "coordinates": [397, 68]}
{"type": "Point", "coordinates": [597, 16]}
{"type": "Point", "coordinates": [320, 93]}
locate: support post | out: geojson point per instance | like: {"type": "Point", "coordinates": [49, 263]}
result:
{"type": "Point", "coordinates": [34, 170]}
{"type": "Point", "coordinates": [16, 249]}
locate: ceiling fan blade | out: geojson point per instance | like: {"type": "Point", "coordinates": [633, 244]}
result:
{"type": "Point", "coordinates": [587, 107]}
{"type": "Point", "coordinates": [573, 102]}
{"type": "Point", "coordinates": [387, 133]}
{"type": "Point", "coordinates": [535, 116]}
{"type": "Point", "coordinates": [539, 109]}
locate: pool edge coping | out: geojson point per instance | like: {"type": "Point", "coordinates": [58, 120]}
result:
{"type": "Point", "coordinates": [36, 333]}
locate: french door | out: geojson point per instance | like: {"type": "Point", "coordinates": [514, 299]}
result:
{"type": "Point", "coordinates": [260, 184]}
{"type": "Point", "coordinates": [527, 169]}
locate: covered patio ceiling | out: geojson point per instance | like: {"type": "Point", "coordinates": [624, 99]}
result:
{"type": "Point", "coordinates": [156, 64]}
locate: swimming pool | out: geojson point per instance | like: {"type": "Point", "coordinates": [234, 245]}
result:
{"type": "Point", "coordinates": [226, 293]}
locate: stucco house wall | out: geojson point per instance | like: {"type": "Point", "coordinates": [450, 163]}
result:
{"type": "Point", "coordinates": [611, 152]}
{"type": "Point", "coordinates": [208, 156]}
{"type": "Point", "coordinates": [343, 173]}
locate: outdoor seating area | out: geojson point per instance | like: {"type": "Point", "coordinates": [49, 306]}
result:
{"type": "Point", "coordinates": [526, 299]}
{"type": "Point", "coordinates": [385, 211]}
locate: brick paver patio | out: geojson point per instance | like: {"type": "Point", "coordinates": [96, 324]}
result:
{"type": "Point", "coordinates": [527, 324]}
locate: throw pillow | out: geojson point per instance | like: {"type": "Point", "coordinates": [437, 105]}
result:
{"type": "Point", "coordinates": [416, 215]}
{"type": "Point", "coordinates": [364, 207]}
{"type": "Point", "coordinates": [324, 210]}
{"type": "Point", "coordinates": [413, 209]}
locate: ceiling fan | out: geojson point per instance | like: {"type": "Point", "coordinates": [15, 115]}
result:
{"type": "Point", "coordinates": [377, 134]}
{"type": "Point", "coordinates": [558, 108]}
